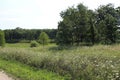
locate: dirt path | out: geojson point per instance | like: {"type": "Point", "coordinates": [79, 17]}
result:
{"type": "Point", "coordinates": [4, 76]}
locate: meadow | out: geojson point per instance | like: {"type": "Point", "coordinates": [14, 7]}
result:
{"type": "Point", "coordinates": [98, 62]}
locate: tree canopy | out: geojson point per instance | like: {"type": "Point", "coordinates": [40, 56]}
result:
{"type": "Point", "coordinates": [81, 25]}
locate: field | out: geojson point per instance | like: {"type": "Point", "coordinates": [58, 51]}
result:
{"type": "Point", "coordinates": [99, 62]}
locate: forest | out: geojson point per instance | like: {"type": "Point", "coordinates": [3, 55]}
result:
{"type": "Point", "coordinates": [26, 35]}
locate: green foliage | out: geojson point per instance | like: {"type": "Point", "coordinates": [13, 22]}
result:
{"type": "Point", "coordinates": [98, 62]}
{"type": "Point", "coordinates": [91, 30]}
{"type": "Point", "coordinates": [81, 25]}
{"type": "Point", "coordinates": [64, 34]}
{"type": "Point", "coordinates": [26, 35]}
{"type": "Point", "coordinates": [25, 72]}
{"type": "Point", "coordinates": [73, 27]}
{"type": "Point", "coordinates": [34, 44]}
{"type": "Point", "coordinates": [43, 38]}
{"type": "Point", "coordinates": [107, 22]}
{"type": "Point", "coordinates": [2, 39]}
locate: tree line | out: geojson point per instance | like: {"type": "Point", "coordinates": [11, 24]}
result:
{"type": "Point", "coordinates": [79, 25]}
{"type": "Point", "coordinates": [27, 35]}
{"type": "Point", "coordinates": [82, 25]}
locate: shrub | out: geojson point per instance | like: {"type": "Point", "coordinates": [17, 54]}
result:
{"type": "Point", "coordinates": [34, 44]}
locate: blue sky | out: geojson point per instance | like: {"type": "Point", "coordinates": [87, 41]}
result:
{"type": "Point", "coordinates": [39, 14]}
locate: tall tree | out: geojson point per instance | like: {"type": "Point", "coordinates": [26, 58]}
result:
{"type": "Point", "coordinates": [81, 23]}
{"type": "Point", "coordinates": [73, 26]}
{"type": "Point", "coordinates": [65, 34]}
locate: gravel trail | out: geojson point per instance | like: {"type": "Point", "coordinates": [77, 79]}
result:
{"type": "Point", "coordinates": [4, 76]}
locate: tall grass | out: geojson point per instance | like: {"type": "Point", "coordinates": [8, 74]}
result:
{"type": "Point", "coordinates": [77, 63]}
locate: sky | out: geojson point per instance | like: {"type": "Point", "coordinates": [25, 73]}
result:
{"type": "Point", "coordinates": [40, 14]}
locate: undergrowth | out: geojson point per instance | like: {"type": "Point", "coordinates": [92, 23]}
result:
{"type": "Point", "coordinates": [99, 62]}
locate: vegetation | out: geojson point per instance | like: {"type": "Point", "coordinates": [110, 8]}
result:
{"type": "Point", "coordinates": [43, 38]}
{"type": "Point", "coordinates": [99, 62]}
{"type": "Point", "coordinates": [83, 25]}
{"type": "Point", "coordinates": [34, 44]}
{"type": "Point", "coordinates": [72, 59]}
{"type": "Point", "coordinates": [79, 25]}
{"type": "Point", "coordinates": [26, 35]}
{"type": "Point", "coordinates": [107, 22]}
{"type": "Point", "coordinates": [25, 72]}
{"type": "Point", "coordinates": [2, 39]}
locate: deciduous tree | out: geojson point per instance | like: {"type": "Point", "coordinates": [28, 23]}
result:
{"type": "Point", "coordinates": [43, 38]}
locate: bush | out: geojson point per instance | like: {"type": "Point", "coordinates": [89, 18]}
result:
{"type": "Point", "coordinates": [34, 44]}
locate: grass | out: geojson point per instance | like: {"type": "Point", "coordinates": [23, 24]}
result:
{"type": "Point", "coordinates": [18, 45]}
{"type": "Point", "coordinates": [24, 72]}
{"type": "Point", "coordinates": [99, 62]}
